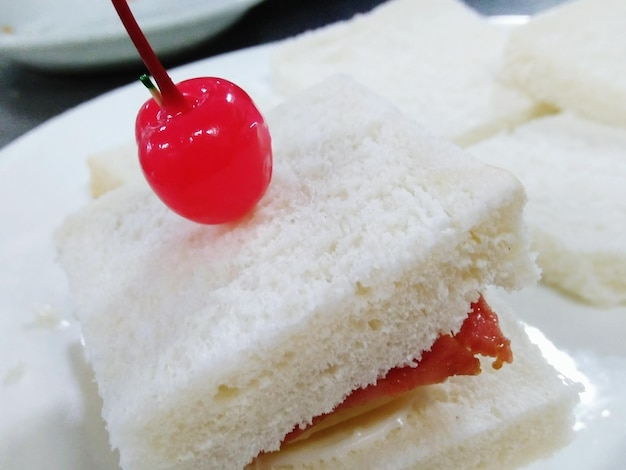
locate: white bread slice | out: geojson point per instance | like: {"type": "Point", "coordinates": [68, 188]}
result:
{"type": "Point", "coordinates": [498, 420]}
{"type": "Point", "coordinates": [574, 57]}
{"type": "Point", "coordinates": [574, 172]}
{"type": "Point", "coordinates": [434, 59]}
{"type": "Point", "coordinates": [209, 343]}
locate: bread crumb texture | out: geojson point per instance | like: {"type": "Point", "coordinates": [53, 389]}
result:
{"type": "Point", "coordinates": [209, 343]}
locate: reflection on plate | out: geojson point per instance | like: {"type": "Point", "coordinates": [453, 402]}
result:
{"type": "Point", "coordinates": [48, 405]}
{"type": "Point", "coordinates": [81, 34]}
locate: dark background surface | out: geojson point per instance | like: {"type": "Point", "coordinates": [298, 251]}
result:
{"type": "Point", "coordinates": [28, 97]}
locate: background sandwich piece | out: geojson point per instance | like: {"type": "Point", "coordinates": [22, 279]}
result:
{"type": "Point", "coordinates": [574, 171]}
{"type": "Point", "coordinates": [435, 59]}
{"type": "Point", "coordinates": [370, 227]}
{"type": "Point", "coordinates": [573, 57]}
{"type": "Point", "coordinates": [405, 51]}
{"type": "Point", "coordinates": [113, 168]}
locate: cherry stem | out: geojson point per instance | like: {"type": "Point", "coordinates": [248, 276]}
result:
{"type": "Point", "coordinates": [171, 97]}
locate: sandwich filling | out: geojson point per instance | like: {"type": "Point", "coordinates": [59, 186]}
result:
{"type": "Point", "coordinates": [450, 355]}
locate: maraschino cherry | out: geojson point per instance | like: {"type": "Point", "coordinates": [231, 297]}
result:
{"type": "Point", "coordinates": [204, 147]}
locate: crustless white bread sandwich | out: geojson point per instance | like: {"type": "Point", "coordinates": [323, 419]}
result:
{"type": "Point", "coordinates": [573, 57]}
{"type": "Point", "coordinates": [574, 172]}
{"type": "Point", "coordinates": [436, 60]}
{"type": "Point", "coordinates": [211, 345]}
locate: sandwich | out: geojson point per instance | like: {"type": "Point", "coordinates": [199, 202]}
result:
{"type": "Point", "coordinates": [436, 60]}
{"type": "Point", "coordinates": [573, 170]}
{"type": "Point", "coordinates": [572, 56]}
{"type": "Point", "coordinates": [303, 336]}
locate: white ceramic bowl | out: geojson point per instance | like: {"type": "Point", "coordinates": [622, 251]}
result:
{"type": "Point", "coordinates": [82, 34]}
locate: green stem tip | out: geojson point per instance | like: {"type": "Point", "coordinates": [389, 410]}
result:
{"type": "Point", "coordinates": [154, 91]}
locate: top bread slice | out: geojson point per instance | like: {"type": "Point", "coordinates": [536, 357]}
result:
{"type": "Point", "coordinates": [436, 60]}
{"type": "Point", "coordinates": [209, 343]}
{"type": "Point", "coordinates": [574, 171]}
{"type": "Point", "coordinates": [573, 57]}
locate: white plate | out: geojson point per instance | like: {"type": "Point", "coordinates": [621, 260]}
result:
{"type": "Point", "coordinates": [49, 410]}
{"type": "Point", "coordinates": [81, 34]}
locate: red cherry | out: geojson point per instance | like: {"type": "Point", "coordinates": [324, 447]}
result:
{"type": "Point", "coordinates": [212, 162]}
{"type": "Point", "coordinates": [204, 147]}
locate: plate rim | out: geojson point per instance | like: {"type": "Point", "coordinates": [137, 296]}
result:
{"type": "Point", "coordinates": [27, 48]}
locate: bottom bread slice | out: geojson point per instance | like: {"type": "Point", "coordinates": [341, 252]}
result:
{"type": "Point", "coordinates": [497, 420]}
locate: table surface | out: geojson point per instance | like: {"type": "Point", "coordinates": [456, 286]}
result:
{"type": "Point", "coordinates": [28, 97]}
